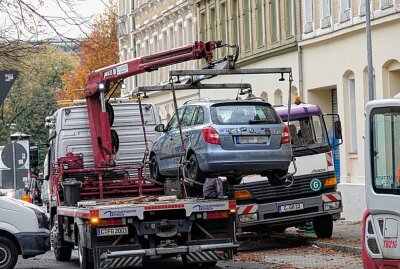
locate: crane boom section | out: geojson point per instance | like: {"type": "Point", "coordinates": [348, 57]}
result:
{"type": "Point", "coordinates": [99, 83]}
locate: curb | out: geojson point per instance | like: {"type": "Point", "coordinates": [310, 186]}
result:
{"type": "Point", "coordinates": [344, 248]}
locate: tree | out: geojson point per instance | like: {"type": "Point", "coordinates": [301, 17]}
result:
{"type": "Point", "coordinates": [98, 50]}
{"type": "Point", "coordinates": [24, 26]}
{"type": "Point", "coordinates": [32, 96]}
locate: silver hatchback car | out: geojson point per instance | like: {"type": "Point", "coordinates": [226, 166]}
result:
{"type": "Point", "coordinates": [230, 138]}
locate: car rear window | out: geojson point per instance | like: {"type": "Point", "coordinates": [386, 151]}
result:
{"type": "Point", "coordinates": [243, 113]}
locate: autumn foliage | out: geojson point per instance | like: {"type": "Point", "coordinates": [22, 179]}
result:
{"type": "Point", "coordinates": [98, 50]}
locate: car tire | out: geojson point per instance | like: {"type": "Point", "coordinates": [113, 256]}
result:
{"type": "Point", "coordinates": [8, 253]}
{"type": "Point", "coordinates": [84, 256]}
{"type": "Point", "coordinates": [62, 251]}
{"type": "Point", "coordinates": [275, 177]}
{"type": "Point", "coordinates": [234, 180]}
{"type": "Point", "coordinates": [155, 170]}
{"type": "Point", "coordinates": [193, 172]}
{"type": "Point", "coordinates": [323, 226]}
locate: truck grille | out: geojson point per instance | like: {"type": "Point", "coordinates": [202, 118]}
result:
{"type": "Point", "coordinates": [262, 191]}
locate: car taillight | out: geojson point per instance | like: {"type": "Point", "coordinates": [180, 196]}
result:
{"type": "Point", "coordinates": [211, 136]}
{"type": "Point", "coordinates": [285, 135]}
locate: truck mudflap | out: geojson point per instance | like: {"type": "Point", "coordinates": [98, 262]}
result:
{"type": "Point", "coordinates": [120, 257]}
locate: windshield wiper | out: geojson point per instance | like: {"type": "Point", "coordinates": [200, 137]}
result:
{"type": "Point", "coordinates": [304, 146]}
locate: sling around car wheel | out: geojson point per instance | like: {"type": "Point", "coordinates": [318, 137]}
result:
{"type": "Point", "coordinates": [276, 177]}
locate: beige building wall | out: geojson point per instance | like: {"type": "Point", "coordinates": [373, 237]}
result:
{"type": "Point", "coordinates": [334, 58]}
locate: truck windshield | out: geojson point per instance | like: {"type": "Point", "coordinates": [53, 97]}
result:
{"type": "Point", "coordinates": [385, 150]}
{"type": "Point", "coordinates": [308, 134]}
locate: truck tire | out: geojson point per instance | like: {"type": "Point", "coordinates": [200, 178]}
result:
{"type": "Point", "coordinates": [84, 256]}
{"type": "Point", "coordinates": [8, 253]}
{"type": "Point", "coordinates": [323, 226]}
{"type": "Point", "coordinates": [62, 251]}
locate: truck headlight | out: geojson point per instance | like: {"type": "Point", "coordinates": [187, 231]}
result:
{"type": "Point", "coordinates": [248, 217]}
{"type": "Point", "coordinates": [43, 220]}
{"type": "Point", "coordinates": [331, 205]}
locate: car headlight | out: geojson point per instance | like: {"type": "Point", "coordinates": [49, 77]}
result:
{"type": "Point", "coordinates": [331, 205]}
{"type": "Point", "coordinates": [43, 220]}
{"type": "Point", "coordinates": [248, 217]}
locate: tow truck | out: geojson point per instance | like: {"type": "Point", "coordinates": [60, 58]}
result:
{"type": "Point", "coordinates": [115, 215]}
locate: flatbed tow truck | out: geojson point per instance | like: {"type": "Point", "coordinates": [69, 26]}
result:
{"type": "Point", "coordinates": [113, 213]}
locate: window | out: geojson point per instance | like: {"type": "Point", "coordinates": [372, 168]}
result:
{"type": "Point", "coordinates": [274, 20]}
{"type": "Point", "coordinates": [260, 23]}
{"type": "Point", "coordinates": [179, 33]}
{"type": "Point", "coordinates": [235, 22]}
{"type": "Point", "coordinates": [243, 114]}
{"type": "Point", "coordinates": [386, 4]}
{"type": "Point", "coordinates": [188, 115]}
{"type": "Point", "coordinates": [173, 123]}
{"type": "Point", "coordinates": [189, 30]}
{"type": "Point", "coordinates": [326, 12]}
{"type": "Point", "coordinates": [308, 16]}
{"type": "Point", "coordinates": [246, 6]}
{"type": "Point", "coordinates": [199, 117]}
{"type": "Point", "coordinates": [353, 116]}
{"type": "Point", "coordinates": [155, 74]}
{"type": "Point", "coordinates": [222, 23]}
{"type": "Point", "coordinates": [171, 41]}
{"type": "Point", "coordinates": [289, 18]}
{"type": "Point", "coordinates": [165, 47]}
{"type": "Point", "coordinates": [202, 26]}
{"type": "Point", "coordinates": [385, 150]}
{"type": "Point", "coordinates": [345, 10]}
{"type": "Point", "coordinates": [212, 24]}
{"type": "Point", "coordinates": [362, 7]}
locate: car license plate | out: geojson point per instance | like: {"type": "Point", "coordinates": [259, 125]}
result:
{"type": "Point", "coordinates": [112, 231]}
{"type": "Point", "coordinates": [291, 207]}
{"type": "Point", "coordinates": [251, 140]}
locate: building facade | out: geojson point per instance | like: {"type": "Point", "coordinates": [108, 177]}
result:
{"type": "Point", "coordinates": [323, 41]}
{"type": "Point", "coordinates": [335, 75]}
{"type": "Point", "coordinates": [149, 26]}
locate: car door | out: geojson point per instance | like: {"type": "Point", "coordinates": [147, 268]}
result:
{"type": "Point", "coordinates": [167, 163]}
{"type": "Point", "coordinates": [186, 132]}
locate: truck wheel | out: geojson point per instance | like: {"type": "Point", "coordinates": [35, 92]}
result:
{"type": "Point", "coordinates": [155, 170]}
{"type": "Point", "coordinates": [62, 251]}
{"type": "Point", "coordinates": [84, 256]}
{"type": "Point", "coordinates": [323, 226]}
{"type": "Point", "coordinates": [8, 253]}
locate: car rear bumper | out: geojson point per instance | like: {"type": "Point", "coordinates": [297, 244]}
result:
{"type": "Point", "coordinates": [244, 161]}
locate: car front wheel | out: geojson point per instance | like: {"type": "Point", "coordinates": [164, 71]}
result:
{"type": "Point", "coordinates": [8, 253]}
{"type": "Point", "coordinates": [155, 170]}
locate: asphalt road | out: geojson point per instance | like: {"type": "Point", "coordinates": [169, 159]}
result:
{"type": "Point", "coordinates": [47, 261]}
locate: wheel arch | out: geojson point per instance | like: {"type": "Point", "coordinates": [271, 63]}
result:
{"type": "Point", "coordinates": [10, 236]}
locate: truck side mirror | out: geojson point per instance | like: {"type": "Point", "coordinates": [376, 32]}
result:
{"type": "Point", "coordinates": [160, 128]}
{"type": "Point", "coordinates": [337, 128]}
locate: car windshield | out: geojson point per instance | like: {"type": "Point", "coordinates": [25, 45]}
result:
{"type": "Point", "coordinates": [308, 133]}
{"type": "Point", "coordinates": [245, 113]}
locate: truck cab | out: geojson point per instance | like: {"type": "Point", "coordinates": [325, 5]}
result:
{"type": "Point", "coordinates": [312, 196]}
{"type": "Point", "coordinates": [24, 230]}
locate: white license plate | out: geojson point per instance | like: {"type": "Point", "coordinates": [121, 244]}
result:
{"type": "Point", "coordinates": [112, 231]}
{"type": "Point", "coordinates": [251, 140]}
{"type": "Point", "coordinates": [291, 207]}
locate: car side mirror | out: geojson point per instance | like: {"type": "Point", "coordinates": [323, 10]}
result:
{"type": "Point", "coordinates": [337, 128]}
{"type": "Point", "coordinates": [160, 128]}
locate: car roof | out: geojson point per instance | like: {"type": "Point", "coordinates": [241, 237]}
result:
{"type": "Point", "coordinates": [224, 101]}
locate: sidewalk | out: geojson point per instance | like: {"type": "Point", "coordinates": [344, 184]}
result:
{"type": "Point", "coordinates": [346, 237]}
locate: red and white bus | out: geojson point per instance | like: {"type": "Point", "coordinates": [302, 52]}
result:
{"type": "Point", "coordinates": [381, 220]}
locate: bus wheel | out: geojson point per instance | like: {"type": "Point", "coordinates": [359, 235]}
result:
{"type": "Point", "coordinates": [323, 226]}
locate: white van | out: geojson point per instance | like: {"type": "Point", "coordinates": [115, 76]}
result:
{"type": "Point", "coordinates": [24, 230]}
